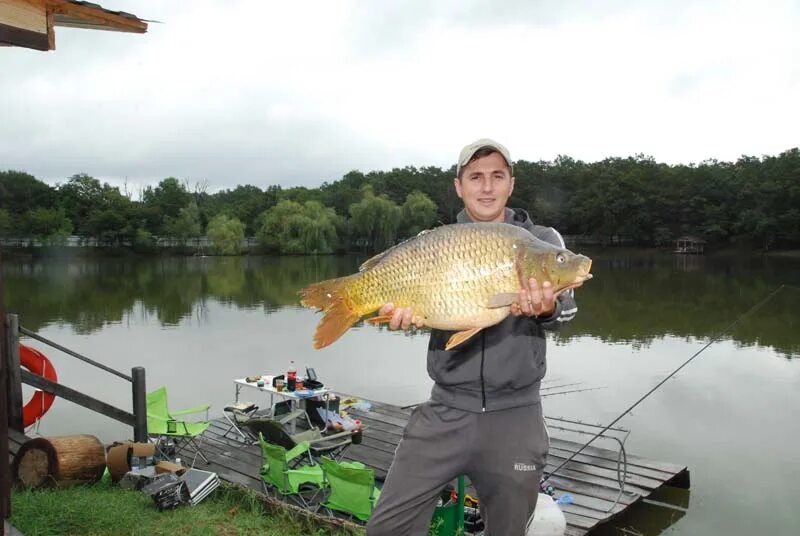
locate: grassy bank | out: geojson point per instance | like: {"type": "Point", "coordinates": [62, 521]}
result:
{"type": "Point", "coordinates": [101, 510]}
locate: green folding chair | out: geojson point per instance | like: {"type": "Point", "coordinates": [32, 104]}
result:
{"type": "Point", "coordinates": [352, 488]}
{"type": "Point", "coordinates": [448, 519]}
{"type": "Point", "coordinates": [162, 424]}
{"type": "Point", "coordinates": [276, 473]}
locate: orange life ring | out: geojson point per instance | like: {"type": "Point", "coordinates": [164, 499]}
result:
{"type": "Point", "coordinates": [36, 362]}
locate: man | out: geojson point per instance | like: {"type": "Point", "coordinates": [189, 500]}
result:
{"type": "Point", "coordinates": [484, 418]}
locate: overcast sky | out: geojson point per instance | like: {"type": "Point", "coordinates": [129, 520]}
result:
{"type": "Point", "coordinates": [297, 93]}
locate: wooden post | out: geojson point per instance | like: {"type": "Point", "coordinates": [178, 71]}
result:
{"type": "Point", "coordinates": [14, 375]}
{"type": "Point", "coordinates": [5, 472]}
{"type": "Point", "coordinates": [139, 405]}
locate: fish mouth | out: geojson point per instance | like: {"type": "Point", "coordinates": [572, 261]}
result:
{"type": "Point", "coordinates": [579, 279]}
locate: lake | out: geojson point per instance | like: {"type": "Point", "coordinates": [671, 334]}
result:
{"type": "Point", "coordinates": [197, 323]}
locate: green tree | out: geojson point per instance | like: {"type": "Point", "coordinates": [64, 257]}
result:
{"type": "Point", "coordinates": [80, 196]}
{"type": "Point", "coordinates": [418, 213]}
{"type": "Point", "coordinates": [319, 231]}
{"type": "Point", "coordinates": [186, 226]}
{"type": "Point", "coordinates": [167, 199]}
{"type": "Point", "coordinates": [50, 226]}
{"type": "Point", "coordinates": [21, 192]}
{"type": "Point", "coordinates": [273, 225]}
{"type": "Point", "coordinates": [227, 234]}
{"type": "Point", "coordinates": [243, 202]}
{"type": "Point", "coordinates": [5, 223]}
{"type": "Point", "coordinates": [292, 228]}
{"type": "Point", "coordinates": [375, 220]}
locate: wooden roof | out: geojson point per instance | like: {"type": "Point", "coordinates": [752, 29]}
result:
{"type": "Point", "coordinates": [30, 23]}
{"type": "Point", "coordinates": [689, 238]}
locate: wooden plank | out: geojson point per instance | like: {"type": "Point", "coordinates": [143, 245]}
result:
{"type": "Point", "coordinates": [23, 38]}
{"type": "Point", "coordinates": [5, 435]}
{"type": "Point", "coordinates": [97, 16]}
{"type": "Point", "coordinates": [574, 487]}
{"type": "Point", "coordinates": [574, 531]}
{"type": "Point", "coordinates": [16, 440]}
{"type": "Point", "coordinates": [640, 461]}
{"type": "Point", "coordinates": [610, 464]}
{"type": "Point", "coordinates": [380, 407]}
{"type": "Point", "coordinates": [594, 507]}
{"type": "Point", "coordinates": [14, 374]}
{"type": "Point", "coordinates": [51, 33]}
{"type": "Point", "coordinates": [24, 15]}
{"type": "Point", "coordinates": [35, 336]}
{"type": "Point", "coordinates": [599, 481]}
{"type": "Point", "coordinates": [79, 398]}
{"type": "Point", "coordinates": [610, 474]}
{"type": "Point", "coordinates": [375, 416]}
{"type": "Point", "coordinates": [580, 521]}
{"type": "Point", "coordinates": [370, 424]}
{"type": "Point", "coordinates": [226, 467]}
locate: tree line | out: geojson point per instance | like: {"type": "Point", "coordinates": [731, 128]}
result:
{"type": "Point", "coordinates": [754, 201]}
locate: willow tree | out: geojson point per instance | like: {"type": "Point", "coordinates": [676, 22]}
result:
{"type": "Point", "coordinates": [375, 220]}
{"type": "Point", "coordinates": [295, 229]}
{"type": "Point", "coordinates": [227, 234]}
{"type": "Point", "coordinates": [418, 212]}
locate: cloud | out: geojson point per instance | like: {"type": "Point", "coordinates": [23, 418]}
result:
{"type": "Point", "coordinates": [299, 93]}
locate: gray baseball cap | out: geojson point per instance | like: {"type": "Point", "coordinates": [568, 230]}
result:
{"type": "Point", "coordinates": [469, 151]}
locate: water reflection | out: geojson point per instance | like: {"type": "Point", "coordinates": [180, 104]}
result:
{"type": "Point", "coordinates": [635, 297]}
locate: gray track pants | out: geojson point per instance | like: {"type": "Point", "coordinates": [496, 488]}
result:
{"type": "Point", "coordinates": [502, 452]}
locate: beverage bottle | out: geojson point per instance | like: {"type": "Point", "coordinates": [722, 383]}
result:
{"type": "Point", "coordinates": [291, 376]}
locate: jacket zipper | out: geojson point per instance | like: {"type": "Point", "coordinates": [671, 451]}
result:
{"type": "Point", "coordinates": [483, 387]}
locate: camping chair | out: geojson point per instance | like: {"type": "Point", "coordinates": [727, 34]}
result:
{"type": "Point", "coordinates": [237, 415]}
{"type": "Point", "coordinates": [240, 414]}
{"type": "Point", "coordinates": [352, 488]}
{"type": "Point", "coordinates": [164, 427]}
{"type": "Point", "coordinates": [274, 432]}
{"type": "Point", "coordinates": [277, 474]}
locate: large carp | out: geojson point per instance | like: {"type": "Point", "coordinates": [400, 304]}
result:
{"type": "Point", "coordinates": [461, 277]}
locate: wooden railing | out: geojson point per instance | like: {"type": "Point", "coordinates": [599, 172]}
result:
{"type": "Point", "coordinates": [17, 376]}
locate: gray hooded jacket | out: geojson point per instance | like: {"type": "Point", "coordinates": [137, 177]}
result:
{"type": "Point", "coordinates": [501, 367]}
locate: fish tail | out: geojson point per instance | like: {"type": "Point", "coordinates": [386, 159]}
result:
{"type": "Point", "coordinates": [339, 312]}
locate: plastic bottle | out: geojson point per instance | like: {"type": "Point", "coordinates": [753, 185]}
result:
{"type": "Point", "coordinates": [291, 376]}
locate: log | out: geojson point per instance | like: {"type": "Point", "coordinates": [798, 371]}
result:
{"type": "Point", "coordinates": [59, 461]}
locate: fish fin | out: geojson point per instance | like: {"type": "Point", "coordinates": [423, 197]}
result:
{"type": "Point", "coordinates": [519, 267]}
{"type": "Point", "coordinates": [375, 320]}
{"type": "Point", "coordinates": [339, 313]}
{"type": "Point", "coordinates": [502, 299]}
{"type": "Point", "coordinates": [374, 261]}
{"type": "Point", "coordinates": [460, 337]}
{"type": "Point", "coordinates": [336, 321]}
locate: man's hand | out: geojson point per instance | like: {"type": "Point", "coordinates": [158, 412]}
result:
{"type": "Point", "coordinates": [536, 300]}
{"type": "Point", "coordinates": [402, 317]}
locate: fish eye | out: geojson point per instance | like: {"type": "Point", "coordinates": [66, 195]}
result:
{"type": "Point", "coordinates": [560, 258]}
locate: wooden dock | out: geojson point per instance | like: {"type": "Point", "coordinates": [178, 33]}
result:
{"type": "Point", "coordinates": [591, 478]}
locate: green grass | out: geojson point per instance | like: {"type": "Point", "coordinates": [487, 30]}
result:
{"type": "Point", "coordinates": [100, 510]}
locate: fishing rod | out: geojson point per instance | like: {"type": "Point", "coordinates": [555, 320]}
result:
{"type": "Point", "coordinates": [573, 391]}
{"type": "Point", "coordinates": [662, 382]}
{"type": "Point", "coordinates": [560, 386]}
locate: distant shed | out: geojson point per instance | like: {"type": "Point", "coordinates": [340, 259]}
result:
{"type": "Point", "coordinates": [30, 23]}
{"type": "Point", "coordinates": [689, 245]}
